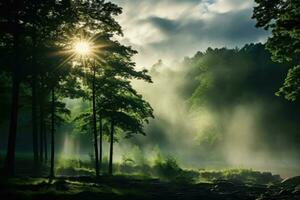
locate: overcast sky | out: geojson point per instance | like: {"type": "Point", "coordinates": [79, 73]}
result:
{"type": "Point", "coordinates": [172, 29]}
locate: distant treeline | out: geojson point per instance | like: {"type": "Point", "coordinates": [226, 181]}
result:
{"type": "Point", "coordinates": [221, 80]}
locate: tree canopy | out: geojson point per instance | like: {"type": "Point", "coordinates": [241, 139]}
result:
{"type": "Point", "coordinates": [283, 18]}
{"type": "Point", "coordinates": [38, 54]}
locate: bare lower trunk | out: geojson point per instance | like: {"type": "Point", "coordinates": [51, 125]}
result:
{"type": "Point", "coordinates": [100, 142]}
{"type": "Point", "coordinates": [34, 124]}
{"type": "Point", "coordinates": [95, 125]}
{"type": "Point", "coordinates": [42, 124]}
{"type": "Point", "coordinates": [9, 165]}
{"type": "Point", "coordinates": [52, 133]}
{"type": "Point", "coordinates": [110, 167]}
{"type": "Point", "coordinates": [45, 144]}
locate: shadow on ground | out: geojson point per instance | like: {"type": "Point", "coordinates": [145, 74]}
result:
{"type": "Point", "coordinates": [123, 188]}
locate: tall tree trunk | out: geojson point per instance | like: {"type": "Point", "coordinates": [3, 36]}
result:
{"type": "Point", "coordinates": [95, 123]}
{"type": "Point", "coordinates": [34, 94]}
{"type": "Point", "coordinates": [45, 143]}
{"type": "Point", "coordinates": [42, 124]}
{"type": "Point", "coordinates": [34, 123]}
{"type": "Point", "coordinates": [43, 120]}
{"type": "Point", "coordinates": [100, 141]}
{"type": "Point", "coordinates": [110, 166]}
{"type": "Point", "coordinates": [9, 165]}
{"type": "Point", "coordinates": [52, 133]}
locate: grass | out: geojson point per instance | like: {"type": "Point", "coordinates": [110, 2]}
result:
{"type": "Point", "coordinates": [163, 168]}
{"type": "Point", "coordinates": [123, 187]}
{"type": "Point", "coordinates": [240, 175]}
{"type": "Point", "coordinates": [163, 179]}
{"type": "Point", "coordinates": [74, 188]}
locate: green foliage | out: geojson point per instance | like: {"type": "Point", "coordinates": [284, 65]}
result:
{"type": "Point", "coordinates": [226, 77]}
{"type": "Point", "coordinates": [83, 122]}
{"type": "Point", "coordinates": [167, 168]}
{"type": "Point", "coordinates": [118, 101]}
{"type": "Point", "coordinates": [215, 85]}
{"type": "Point", "coordinates": [73, 167]}
{"type": "Point", "coordinates": [240, 175]}
{"type": "Point", "coordinates": [283, 18]}
{"type": "Point", "coordinates": [36, 41]}
{"type": "Point", "coordinates": [291, 87]}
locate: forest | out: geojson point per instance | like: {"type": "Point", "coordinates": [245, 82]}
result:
{"type": "Point", "coordinates": [84, 115]}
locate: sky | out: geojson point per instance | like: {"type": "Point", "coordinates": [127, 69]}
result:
{"type": "Point", "coordinates": [172, 29]}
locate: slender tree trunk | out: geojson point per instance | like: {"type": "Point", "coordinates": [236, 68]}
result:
{"type": "Point", "coordinates": [34, 123]}
{"type": "Point", "coordinates": [100, 142]}
{"type": "Point", "coordinates": [110, 167]}
{"type": "Point", "coordinates": [52, 133]}
{"type": "Point", "coordinates": [42, 128]}
{"type": "Point", "coordinates": [9, 165]}
{"type": "Point", "coordinates": [34, 95]}
{"type": "Point", "coordinates": [45, 143]}
{"type": "Point", "coordinates": [43, 121]}
{"type": "Point", "coordinates": [95, 124]}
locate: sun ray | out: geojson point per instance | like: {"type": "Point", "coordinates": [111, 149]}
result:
{"type": "Point", "coordinates": [83, 48]}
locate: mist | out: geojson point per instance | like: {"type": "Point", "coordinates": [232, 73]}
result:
{"type": "Point", "coordinates": [149, 99]}
{"type": "Point", "coordinates": [200, 123]}
{"type": "Point", "coordinates": [217, 109]}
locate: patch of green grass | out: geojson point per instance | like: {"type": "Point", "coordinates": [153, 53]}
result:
{"type": "Point", "coordinates": [242, 175]}
{"type": "Point", "coordinates": [167, 169]}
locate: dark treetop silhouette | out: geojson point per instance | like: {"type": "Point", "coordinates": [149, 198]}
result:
{"type": "Point", "coordinates": [45, 32]}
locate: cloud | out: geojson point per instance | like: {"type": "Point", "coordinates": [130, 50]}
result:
{"type": "Point", "coordinates": [224, 6]}
{"type": "Point", "coordinates": [172, 29]}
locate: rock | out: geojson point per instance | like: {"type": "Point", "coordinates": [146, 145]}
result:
{"type": "Point", "coordinates": [283, 192]}
{"type": "Point", "coordinates": [291, 182]}
{"type": "Point", "coordinates": [296, 190]}
{"type": "Point", "coordinates": [224, 186]}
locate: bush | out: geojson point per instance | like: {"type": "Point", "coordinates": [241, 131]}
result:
{"type": "Point", "coordinates": [241, 175]}
{"type": "Point", "coordinates": [169, 170]}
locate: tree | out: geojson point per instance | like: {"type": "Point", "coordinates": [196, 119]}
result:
{"type": "Point", "coordinates": [43, 28]}
{"type": "Point", "coordinates": [283, 18]}
{"type": "Point", "coordinates": [26, 26]}
{"type": "Point", "coordinates": [60, 82]}
{"type": "Point", "coordinates": [95, 20]}
{"type": "Point", "coordinates": [108, 80]}
{"type": "Point", "coordinates": [11, 30]}
{"type": "Point", "coordinates": [129, 113]}
{"type": "Point", "coordinates": [118, 102]}
{"type": "Point", "coordinates": [45, 19]}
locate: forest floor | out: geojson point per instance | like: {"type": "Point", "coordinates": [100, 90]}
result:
{"type": "Point", "coordinates": [129, 187]}
{"type": "Point", "coordinates": [76, 181]}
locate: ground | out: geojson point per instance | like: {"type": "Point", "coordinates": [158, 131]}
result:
{"type": "Point", "coordinates": [130, 187]}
